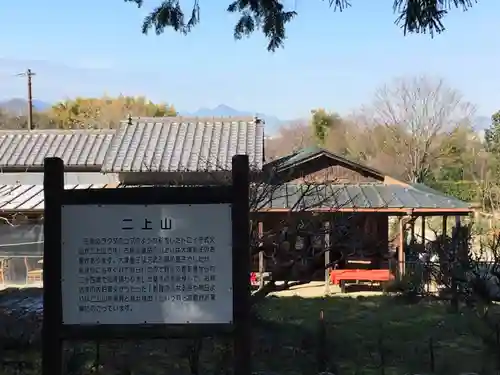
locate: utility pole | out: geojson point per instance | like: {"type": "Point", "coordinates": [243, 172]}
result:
{"type": "Point", "coordinates": [29, 74]}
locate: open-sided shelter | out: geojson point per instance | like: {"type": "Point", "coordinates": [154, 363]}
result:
{"type": "Point", "coordinates": [315, 184]}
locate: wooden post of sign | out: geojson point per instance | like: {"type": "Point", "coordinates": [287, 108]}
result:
{"type": "Point", "coordinates": [53, 187]}
{"type": "Point", "coordinates": [241, 267]}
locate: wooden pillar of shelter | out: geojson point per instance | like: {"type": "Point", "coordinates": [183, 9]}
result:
{"type": "Point", "coordinates": [446, 267]}
{"type": "Point", "coordinates": [463, 245]}
{"type": "Point", "coordinates": [412, 229]}
{"type": "Point", "coordinates": [427, 257]}
{"type": "Point", "coordinates": [401, 251]}
{"type": "Point", "coordinates": [445, 229]}
{"type": "Point", "coordinates": [326, 226]}
{"type": "Point", "coordinates": [456, 255]}
{"type": "Point", "coordinates": [411, 245]}
{"type": "Point", "coordinates": [423, 231]}
{"type": "Point", "coordinates": [262, 260]}
{"type": "Point", "coordinates": [458, 225]}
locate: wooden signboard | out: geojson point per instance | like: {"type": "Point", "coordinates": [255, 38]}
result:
{"type": "Point", "coordinates": [149, 262]}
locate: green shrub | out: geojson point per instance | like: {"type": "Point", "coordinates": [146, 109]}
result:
{"type": "Point", "coordinates": [467, 191]}
{"type": "Point", "coordinates": [411, 285]}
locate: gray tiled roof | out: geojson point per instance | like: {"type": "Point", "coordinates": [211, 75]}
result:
{"type": "Point", "coordinates": [179, 144]}
{"type": "Point", "coordinates": [357, 196]}
{"type": "Point", "coordinates": [312, 153]}
{"type": "Point", "coordinates": [372, 196]}
{"type": "Point", "coordinates": [20, 149]}
{"type": "Point", "coordinates": [70, 178]}
{"type": "Point", "coordinates": [17, 198]}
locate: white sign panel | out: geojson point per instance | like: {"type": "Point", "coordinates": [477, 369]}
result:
{"type": "Point", "coordinates": [155, 264]}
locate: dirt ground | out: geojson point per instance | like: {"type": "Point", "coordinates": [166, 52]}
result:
{"type": "Point", "coordinates": [21, 286]}
{"type": "Point", "coordinates": [316, 289]}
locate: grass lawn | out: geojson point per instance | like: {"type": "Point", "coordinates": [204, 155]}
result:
{"type": "Point", "coordinates": [285, 343]}
{"type": "Point", "coordinates": [358, 328]}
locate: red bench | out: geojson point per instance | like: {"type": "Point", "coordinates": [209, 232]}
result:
{"type": "Point", "coordinates": [337, 277]}
{"type": "Point", "coordinates": [253, 279]}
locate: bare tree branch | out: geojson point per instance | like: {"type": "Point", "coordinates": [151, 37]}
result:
{"type": "Point", "coordinates": [416, 112]}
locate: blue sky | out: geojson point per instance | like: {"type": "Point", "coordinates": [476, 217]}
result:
{"type": "Point", "coordinates": [331, 60]}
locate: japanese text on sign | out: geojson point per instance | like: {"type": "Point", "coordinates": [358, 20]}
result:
{"type": "Point", "coordinates": [131, 264]}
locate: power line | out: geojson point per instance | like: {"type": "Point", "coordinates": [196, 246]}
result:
{"type": "Point", "coordinates": [29, 74]}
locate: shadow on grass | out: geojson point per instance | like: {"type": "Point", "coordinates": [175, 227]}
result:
{"type": "Point", "coordinates": [365, 335]}
{"type": "Point", "coordinates": [354, 288]}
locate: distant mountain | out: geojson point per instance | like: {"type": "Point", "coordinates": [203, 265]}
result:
{"type": "Point", "coordinates": [19, 106]}
{"type": "Point", "coordinates": [223, 110]}
{"type": "Point", "coordinates": [220, 110]}
{"type": "Point", "coordinates": [41, 105]}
